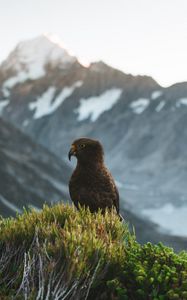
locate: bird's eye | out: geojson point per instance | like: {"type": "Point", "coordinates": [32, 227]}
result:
{"type": "Point", "coordinates": [82, 145]}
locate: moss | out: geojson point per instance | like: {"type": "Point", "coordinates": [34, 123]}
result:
{"type": "Point", "coordinates": [68, 254]}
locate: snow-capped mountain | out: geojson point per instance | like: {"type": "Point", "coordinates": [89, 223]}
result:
{"type": "Point", "coordinates": [141, 124]}
{"type": "Point", "coordinates": [33, 56]}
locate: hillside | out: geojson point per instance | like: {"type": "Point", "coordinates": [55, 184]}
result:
{"type": "Point", "coordinates": [60, 253]}
{"type": "Point", "coordinates": [50, 96]}
{"type": "Point", "coordinates": [29, 174]}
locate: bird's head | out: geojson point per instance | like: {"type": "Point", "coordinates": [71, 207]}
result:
{"type": "Point", "coordinates": [86, 151]}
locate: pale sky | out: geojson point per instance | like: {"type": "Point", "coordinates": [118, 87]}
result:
{"type": "Point", "coordinates": [146, 37]}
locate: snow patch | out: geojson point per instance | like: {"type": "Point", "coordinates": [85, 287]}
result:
{"type": "Point", "coordinates": [25, 123]}
{"type": "Point", "coordinates": [9, 205]}
{"type": "Point", "coordinates": [29, 59]}
{"type": "Point", "coordinates": [160, 106]}
{"type": "Point", "coordinates": [171, 218]}
{"type": "Point", "coordinates": [12, 81]}
{"type": "Point", "coordinates": [94, 106]}
{"type": "Point", "coordinates": [65, 93]}
{"type": "Point", "coordinates": [180, 102]}
{"type": "Point", "coordinates": [139, 105]}
{"type": "Point", "coordinates": [3, 104]}
{"type": "Point", "coordinates": [6, 92]}
{"type": "Point", "coordinates": [156, 94]}
{"type": "Point", "coordinates": [44, 104]}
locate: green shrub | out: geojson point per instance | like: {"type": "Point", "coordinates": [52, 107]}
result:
{"type": "Point", "coordinates": [62, 253]}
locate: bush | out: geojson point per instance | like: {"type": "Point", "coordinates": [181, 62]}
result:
{"type": "Point", "coordinates": [61, 253]}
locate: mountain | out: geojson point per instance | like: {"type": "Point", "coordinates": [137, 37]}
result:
{"type": "Point", "coordinates": [29, 174]}
{"type": "Point", "coordinates": [49, 95]}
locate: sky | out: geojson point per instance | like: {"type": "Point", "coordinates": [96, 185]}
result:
{"type": "Point", "coordinates": [146, 37]}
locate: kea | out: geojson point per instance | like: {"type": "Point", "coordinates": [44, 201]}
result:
{"type": "Point", "coordinates": [91, 184]}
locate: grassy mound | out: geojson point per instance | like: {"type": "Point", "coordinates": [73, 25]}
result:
{"type": "Point", "coordinates": [60, 253]}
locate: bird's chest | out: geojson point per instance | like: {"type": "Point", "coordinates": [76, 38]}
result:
{"type": "Point", "coordinates": [82, 180]}
{"type": "Point", "coordinates": [84, 189]}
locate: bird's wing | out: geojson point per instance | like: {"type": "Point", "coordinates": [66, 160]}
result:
{"type": "Point", "coordinates": [110, 187]}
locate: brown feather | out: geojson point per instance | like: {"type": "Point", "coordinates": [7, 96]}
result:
{"type": "Point", "coordinates": [91, 183]}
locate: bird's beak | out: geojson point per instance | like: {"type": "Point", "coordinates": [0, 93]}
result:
{"type": "Point", "coordinates": [72, 152]}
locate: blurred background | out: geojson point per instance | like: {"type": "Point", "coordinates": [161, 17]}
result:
{"type": "Point", "coordinates": [110, 70]}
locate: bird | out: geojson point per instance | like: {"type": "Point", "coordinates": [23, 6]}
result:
{"type": "Point", "coordinates": [91, 184]}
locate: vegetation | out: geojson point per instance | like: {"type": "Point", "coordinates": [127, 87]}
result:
{"type": "Point", "coordinates": [60, 253]}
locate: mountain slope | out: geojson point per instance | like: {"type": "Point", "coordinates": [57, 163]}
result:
{"type": "Point", "coordinates": [29, 174]}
